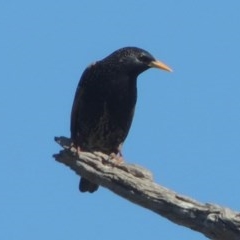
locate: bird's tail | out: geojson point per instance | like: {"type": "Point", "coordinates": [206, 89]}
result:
{"type": "Point", "coordinates": [87, 186]}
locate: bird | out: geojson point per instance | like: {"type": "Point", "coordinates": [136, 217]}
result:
{"type": "Point", "coordinates": [104, 102]}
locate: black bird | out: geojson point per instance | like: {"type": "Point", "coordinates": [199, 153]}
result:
{"type": "Point", "coordinates": [104, 102]}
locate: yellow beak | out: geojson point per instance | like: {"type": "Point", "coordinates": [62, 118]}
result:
{"type": "Point", "coordinates": [160, 65]}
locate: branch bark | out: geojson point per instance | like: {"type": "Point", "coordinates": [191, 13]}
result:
{"type": "Point", "coordinates": [136, 184]}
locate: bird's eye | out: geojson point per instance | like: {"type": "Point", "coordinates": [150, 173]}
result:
{"type": "Point", "coordinates": [144, 58]}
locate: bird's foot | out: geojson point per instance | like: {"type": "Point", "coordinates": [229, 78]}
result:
{"type": "Point", "coordinates": [78, 151]}
{"type": "Point", "coordinates": [116, 159]}
{"type": "Point", "coordinates": [75, 149]}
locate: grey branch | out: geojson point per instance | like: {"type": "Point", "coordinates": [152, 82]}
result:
{"type": "Point", "coordinates": [136, 184]}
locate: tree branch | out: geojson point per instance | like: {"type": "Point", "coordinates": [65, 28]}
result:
{"type": "Point", "coordinates": [136, 184]}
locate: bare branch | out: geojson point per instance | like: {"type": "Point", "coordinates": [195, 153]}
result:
{"type": "Point", "coordinates": [136, 184]}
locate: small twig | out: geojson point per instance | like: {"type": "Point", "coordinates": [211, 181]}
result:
{"type": "Point", "coordinates": [136, 184]}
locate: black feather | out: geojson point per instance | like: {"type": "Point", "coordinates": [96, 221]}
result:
{"type": "Point", "coordinates": [104, 103]}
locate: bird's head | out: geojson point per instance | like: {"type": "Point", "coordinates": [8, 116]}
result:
{"type": "Point", "coordinates": [134, 60]}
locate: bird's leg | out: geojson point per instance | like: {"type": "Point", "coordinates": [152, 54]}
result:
{"type": "Point", "coordinates": [120, 149]}
{"type": "Point", "coordinates": [117, 158]}
{"type": "Point", "coordinates": [78, 151]}
{"type": "Point", "coordinates": [75, 149]}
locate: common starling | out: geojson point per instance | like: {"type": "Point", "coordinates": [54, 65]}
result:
{"type": "Point", "coordinates": [104, 102]}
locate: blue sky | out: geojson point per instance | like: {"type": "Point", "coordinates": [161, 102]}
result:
{"type": "Point", "coordinates": [186, 127]}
